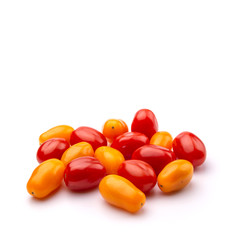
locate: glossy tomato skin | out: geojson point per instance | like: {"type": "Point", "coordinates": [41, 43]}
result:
{"type": "Point", "coordinates": [188, 146]}
{"type": "Point", "coordinates": [145, 122]}
{"type": "Point", "coordinates": [110, 158]}
{"type": "Point", "coordinates": [77, 150]}
{"type": "Point", "coordinates": [175, 176]}
{"type": "Point", "coordinates": [163, 139]}
{"type": "Point", "coordinates": [90, 135]}
{"type": "Point", "coordinates": [52, 148]}
{"type": "Point", "coordinates": [83, 173]}
{"type": "Point", "coordinates": [60, 131]}
{"type": "Point", "coordinates": [121, 193]}
{"type": "Point", "coordinates": [158, 157]}
{"type": "Point", "coordinates": [46, 178]}
{"type": "Point", "coordinates": [113, 128]}
{"type": "Point", "coordinates": [128, 142]}
{"type": "Point", "coordinates": [140, 173]}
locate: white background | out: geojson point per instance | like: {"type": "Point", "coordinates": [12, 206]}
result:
{"type": "Point", "coordinates": [83, 62]}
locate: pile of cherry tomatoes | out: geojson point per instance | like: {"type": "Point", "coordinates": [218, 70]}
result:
{"type": "Point", "coordinates": [124, 165]}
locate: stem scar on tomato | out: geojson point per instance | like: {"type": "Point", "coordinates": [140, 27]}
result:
{"type": "Point", "coordinates": [32, 193]}
{"type": "Point", "coordinates": [112, 127]}
{"type": "Point", "coordinates": [161, 185]}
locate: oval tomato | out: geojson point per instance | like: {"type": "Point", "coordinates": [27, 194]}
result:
{"type": "Point", "coordinates": [158, 157]}
{"type": "Point", "coordinates": [61, 131]}
{"type": "Point", "coordinates": [83, 173]}
{"type": "Point", "coordinates": [52, 148]}
{"type": "Point", "coordinates": [188, 146]}
{"type": "Point", "coordinates": [77, 150]}
{"type": "Point", "coordinates": [175, 175]}
{"type": "Point", "coordinates": [145, 122]}
{"type": "Point", "coordinates": [163, 139]}
{"type": "Point", "coordinates": [110, 158]}
{"type": "Point", "coordinates": [113, 128]}
{"type": "Point", "coordinates": [90, 135]}
{"type": "Point", "coordinates": [128, 142]}
{"type": "Point", "coordinates": [46, 178]}
{"type": "Point", "coordinates": [121, 193]}
{"type": "Point", "coordinates": [140, 173]}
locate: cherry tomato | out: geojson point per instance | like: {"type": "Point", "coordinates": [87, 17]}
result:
{"type": "Point", "coordinates": [128, 142]}
{"type": "Point", "coordinates": [46, 178]}
{"type": "Point", "coordinates": [110, 158]}
{"type": "Point", "coordinates": [61, 131]}
{"type": "Point", "coordinates": [188, 146]}
{"type": "Point", "coordinates": [90, 135]}
{"type": "Point", "coordinates": [158, 157]}
{"type": "Point", "coordinates": [113, 128]}
{"type": "Point", "coordinates": [121, 193]}
{"type": "Point", "coordinates": [83, 173]}
{"type": "Point", "coordinates": [52, 148]}
{"type": "Point", "coordinates": [145, 122]}
{"type": "Point", "coordinates": [140, 173]}
{"type": "Point", "coordinates": [175, 175]}
{"type": "Point", "coordinates": [77, 150]}
{"type": "Point", "coordinates": [163, 139]}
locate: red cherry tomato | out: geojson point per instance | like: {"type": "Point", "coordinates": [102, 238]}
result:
{"type": "Point", "coordinates": [140, 173]}
{"type": "Point", "coordinates": [158, 157]}
{"type": "Point", "coordinates": [52, 148]}
{"type": "Point", "coordinates": [188, 146]}
{"type": "Point", "coordinates": [90, 135]}
{"type": "Point", "coordinates": [145, 122]}
{"type": "Point", "coordinates": [128, 142]}
{"type": "Point", "coordinates": [83, 173]}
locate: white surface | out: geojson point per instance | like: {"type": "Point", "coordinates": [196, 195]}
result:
{"type": "Point", "coordinates": [82, 62]}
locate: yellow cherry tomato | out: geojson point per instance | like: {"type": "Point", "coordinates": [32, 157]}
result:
{"type": "Point", "coordinates": [110, 158]}
{"type": "Point", "coordinates": [61, 131]}
{"type": "Point", "coordinates": [113, 128]}
{"type": "Point", "coordinates": [163, 139]}
{"type": "Point", "coordinates": [121, 193]}
{"type": "Point", "coordinates": [77, 150]}
{"type": "Point", "coordinates": [46, 178]}
{"type": "Point", "coordinates": [175, 175]}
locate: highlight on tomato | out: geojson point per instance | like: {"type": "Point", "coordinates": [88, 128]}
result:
{"type": "Point", "coordinates": [89, 135]}
{"type": "Point", "coordinates": [145, 122]}
{"type": "Point", "coordinates": [110, 158]}
{"type": "Point", "coordinates": [128, 142]}
{"type": "Point", "coordinates": [188, 146]}
{"type": "Point", "coordinates": [113, 128]}
{"type": "Point", "coordinates": [83, 173]}
{"type": "Point", "coordinates": [175, 176]}
{"type": "Point", "coordinates": [46, 178]}
{"type": "Point", "coordinates": [52, 148]}
{"type": "Point", "coordinates": [162, 139]}
{"type": "Point", "coordinates": [158, 157]}
{"type": "Point", "coordinates": [60, 131]}
{"type": "Point", "coordinates": [121, 193]}
{"type": "Point", "coordinates": [140, 173]}
{"type": "Point", "coordinates": [77, 150]}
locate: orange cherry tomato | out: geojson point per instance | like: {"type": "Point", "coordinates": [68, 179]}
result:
{"type": "Point", "coordinates": [175, 175]}
{"type": "Point", "coordinates": [46, 178]}
{"type": "Point", "coordinates": [121, 193]}
{"type": "Point", "coordinates": [110, 158]}
{"type": "Point", "coordinates": [163, 139]}
{"type": "Point", "coordinates": [113, 128]}
{"type": "Point", "coordinates": [77, 150]}
{"type": "Point", "coordinates": [61, 131]}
